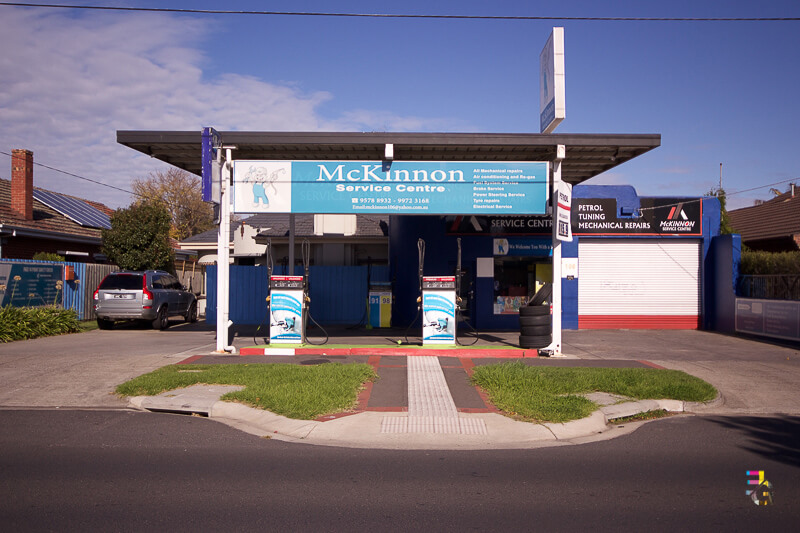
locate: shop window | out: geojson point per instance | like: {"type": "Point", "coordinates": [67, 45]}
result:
{"type": "Point", "coordinates": [517, 280]}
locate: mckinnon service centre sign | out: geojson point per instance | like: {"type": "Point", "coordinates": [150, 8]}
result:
{"type": "Point", "coordinates": [411, 187]}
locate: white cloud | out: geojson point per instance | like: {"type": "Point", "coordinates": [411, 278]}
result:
{"type": "Point", "coordinates": [69, 82]}
{"type": "Point", "coordinates": [609, 178]}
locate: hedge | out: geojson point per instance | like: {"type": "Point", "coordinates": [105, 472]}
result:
{"type": "Point", "coordinates": [18, 323]}
{"type": "Point", "coordinates": [758, 263]}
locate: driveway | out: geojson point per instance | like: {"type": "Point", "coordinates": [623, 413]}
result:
{"type": "Point", "coordinates": [83, 369]}
{"type": "Point", "coordinates": [754, 376]}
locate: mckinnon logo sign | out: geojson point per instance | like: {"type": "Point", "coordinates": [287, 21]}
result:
{"type": "Point", "coordinates": [677, 221]}
{"type": "Point", "coordinates": [375, 172]}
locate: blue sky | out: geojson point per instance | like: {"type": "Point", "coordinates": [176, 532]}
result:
{"type": "Point", "coordinates": [717, 92]}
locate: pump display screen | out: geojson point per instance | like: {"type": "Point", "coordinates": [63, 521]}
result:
{"type": "Point", "coordinates": [440, 282]}
{"type": "Point", "coordinates": [286, 282]}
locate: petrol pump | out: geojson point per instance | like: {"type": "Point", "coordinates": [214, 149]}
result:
{"type": "Point", "coordinates": [439, 303]}
{"type": "Point", "coordinates": [289, 303]}
{"type": "Point", "coordinates": [287, 299]}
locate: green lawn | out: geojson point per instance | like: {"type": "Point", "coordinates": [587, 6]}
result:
{"type": "Point", "coordinates": [553, 394]}
{"type": "Point", "coordinates": [295, 391]}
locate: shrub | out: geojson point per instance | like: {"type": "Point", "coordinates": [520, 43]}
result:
{"type": "Point", "coordinates": [48, 256]}
{"type": "Point", "coordinates": [759, 263]}
{"type": "Point", "coordinates": [18, 323]}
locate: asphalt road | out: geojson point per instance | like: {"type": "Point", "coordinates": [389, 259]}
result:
{"type": "Point", "coordinates": [131, 471]}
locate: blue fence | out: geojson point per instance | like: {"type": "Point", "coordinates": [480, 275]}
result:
{"type": "Point", "coordinates": [338, 294]}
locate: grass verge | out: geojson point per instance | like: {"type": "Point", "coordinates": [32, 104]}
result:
{"type": "Point", "coordinates": [87, 325]}
{"type": "Point", "coordinates": [553, 394]}
{"type": "Point", "coordinates": [294, 391]}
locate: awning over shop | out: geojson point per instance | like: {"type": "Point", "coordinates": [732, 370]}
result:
{"type": "Point", "coordinates": [587, 155]}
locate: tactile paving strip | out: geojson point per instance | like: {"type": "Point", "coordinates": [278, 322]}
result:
{"type": "Point", "coordinates": [428, 393]}
{"type": "Point", "coordinates": [430, 405]}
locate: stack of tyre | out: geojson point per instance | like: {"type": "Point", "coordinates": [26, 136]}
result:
{"type": "Point", "coordinates": [535, 322]}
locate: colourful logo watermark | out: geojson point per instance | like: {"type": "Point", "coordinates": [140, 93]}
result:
{"type": "Point", "coordinates": [762, 494]}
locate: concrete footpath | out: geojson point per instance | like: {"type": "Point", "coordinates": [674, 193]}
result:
{"type": "Point", "coordinates": [423, 401]}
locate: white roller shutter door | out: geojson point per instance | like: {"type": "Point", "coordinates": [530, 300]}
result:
{"type": "Point", "coordinates": [640, 283]}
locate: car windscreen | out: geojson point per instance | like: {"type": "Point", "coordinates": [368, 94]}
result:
{"type": "Point", "coordinates": [122, 281]}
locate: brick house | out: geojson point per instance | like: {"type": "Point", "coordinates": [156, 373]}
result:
{"type": "Point", "coordinates": [37, 220]}
{"type": "Point", "coordinates": [772, 226]}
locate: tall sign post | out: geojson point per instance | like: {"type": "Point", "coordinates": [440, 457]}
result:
{"type": "Point", "coordinates": [552, 110]}
{"type": "Point", "coordinates": [216, 179]}
{"type": "Point", "coordinates": [223, 257]}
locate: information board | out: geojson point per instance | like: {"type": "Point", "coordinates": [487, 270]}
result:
{"type": "Point", "coordinates": [31, 284]}
{"type": "Point", "coordinates": [773, 318]}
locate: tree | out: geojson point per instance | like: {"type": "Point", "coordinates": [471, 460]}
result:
{"type": "Point", "coordinates": [48, 256]}
{"type": "Point", "coordinates": [181, 193]}
{"type": "Point", "coordinates": [139, 238]}
{"type": "Point", "coordinates": [725, 227]}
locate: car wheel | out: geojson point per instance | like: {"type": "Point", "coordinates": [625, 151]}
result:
{"type": "Point", "coordinates": [105, 324]}
{"type": "Point", "coordinates": [191, 316]}
{"type": "Point", "coordinates": [162, 320]}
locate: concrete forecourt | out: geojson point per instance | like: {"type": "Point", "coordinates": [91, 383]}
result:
{"type": "Point", "coordinates": [418, 402]}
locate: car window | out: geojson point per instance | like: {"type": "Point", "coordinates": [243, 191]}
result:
{"type": "Point", "coordinates": [122, 281]}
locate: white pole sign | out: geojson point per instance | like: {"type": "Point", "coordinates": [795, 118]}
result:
{"type": "Point", "coordinates": [552, 108]}
{"type": "Point", "coordinates": [564, 211]}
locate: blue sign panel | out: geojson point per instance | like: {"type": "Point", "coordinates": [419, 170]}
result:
{"type": "Point", "coordinates": [210, 144]}
{"type": "Point", "coordinates": [523, 247]}
{"type": "Point", "coordinates": [31, 284]}
{"type": "Point", "coordinates": [409, 187]}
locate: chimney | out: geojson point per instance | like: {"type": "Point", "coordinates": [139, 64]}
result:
{"type": "Point", "coordinates": [793, 187]}
{"type": "Point", "coordinates": [22, 183]}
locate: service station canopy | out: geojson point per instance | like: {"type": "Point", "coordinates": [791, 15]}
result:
{"type": "Point", "coordinates": [492, 170]}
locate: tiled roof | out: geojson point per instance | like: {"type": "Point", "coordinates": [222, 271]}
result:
{"type": "Point", "coordinates": [209, 236]}
{"type": "Point", "coordinates": [45, 218]}
{"type": "Point", "coordinates": [277, 225]}
{"type": "Point", "coordinates": [778, 217]}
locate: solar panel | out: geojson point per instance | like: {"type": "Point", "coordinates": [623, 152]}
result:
{"type": "Point", "coordinates": [74, 209]}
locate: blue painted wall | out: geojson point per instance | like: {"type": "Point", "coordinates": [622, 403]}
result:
{"type": "Point", "coordinates": [724, 257]}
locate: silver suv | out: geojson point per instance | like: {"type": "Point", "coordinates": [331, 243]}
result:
{"type": "Point", "coordinates": [152, 295]}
